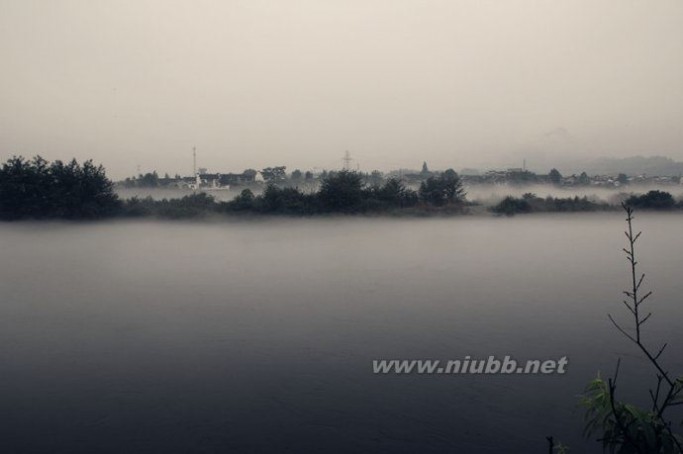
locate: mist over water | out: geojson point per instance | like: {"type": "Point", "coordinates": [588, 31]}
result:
{"type": "Point", "coordinates": [256, 334]}
{"type": "Point", "coordinates": [492, 194]}
{"type": "Point", "coordinates": [259, 336]}
{"type": "Point", "coordinates": [484, 194]}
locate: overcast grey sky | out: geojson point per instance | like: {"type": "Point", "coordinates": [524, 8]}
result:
{"type": "Point", "coordinates": [253, 83]}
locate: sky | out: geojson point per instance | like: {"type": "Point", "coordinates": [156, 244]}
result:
{"type": "Point", "coordinates": [135, 84]}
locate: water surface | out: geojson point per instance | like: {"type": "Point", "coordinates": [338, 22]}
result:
{"type": "Point", "coordinates": [259, 336]}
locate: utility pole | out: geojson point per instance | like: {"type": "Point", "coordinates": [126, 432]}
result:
{"type": "Point", "coordinates": [194, 169]}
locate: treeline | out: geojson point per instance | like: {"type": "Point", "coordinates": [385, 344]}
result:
{"type": "Point", "coordinates": [654, 200]}
{"type": "Point", "coordinates": [342, 192]}
{"type": "Point", "coordinates": [531, 203]}
{"type": "Point", "coordinates": [36, 189]}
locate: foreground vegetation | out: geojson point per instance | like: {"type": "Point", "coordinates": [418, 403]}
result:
{"type": "Point", "coordinates": [619, 426]}
{"type": "Point", "coordinates": [623, 427]}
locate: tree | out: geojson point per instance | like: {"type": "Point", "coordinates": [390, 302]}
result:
{"type": "Point", "coordinates": [653, 200]}
{"type": "Point", "coordinates": [376, 178]}
{"type": "Point", "coordinates": [431, 191]}
{"type": "Point", "coordinates": [274, 174]}
{"type": "Point", "coordinates": [425, 170]}
{"type": "Point", "coordinates": [287, 200]}
{"type": "Point", "coordinates": [395, 193]}
{"type": "Point", "coordinates": [453, 188]}
{"type": "Point", "coordinates": [25, 188]}
{"type": "Point", "coordinates": [584, 180]}
{"type": "Point", "coordinates": [444, 189]}
{"type": "Point", "coordinates": [510, 206]}
{"type": "Point", "coordinates": [249, 174]}
{"type": "Point", "coordinates": [148, 180]}
{"type": "Point", "coordinates": [555, 177]}
{"type": "Point", "coordinates": [622, 178]}
{"type": "Point", "coordinates": [244, 201]}
{"type": "Point", "coordinates": [296, 175]}
{"type": "Point", "coordinates": [342, 191]}
{"type": "Point", "coordinates": [37, 189]}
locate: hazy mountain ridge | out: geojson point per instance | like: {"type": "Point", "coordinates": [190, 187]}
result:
{"type": "Point", "coordinates": [634, 165]}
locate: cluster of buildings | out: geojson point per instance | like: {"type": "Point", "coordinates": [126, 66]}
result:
{"type": "Point", "coordinates": [519, 176]}
{"type": "Point", "coordinates": [202, 180]}
{"type": "Point", "coordinates": [513, 176]}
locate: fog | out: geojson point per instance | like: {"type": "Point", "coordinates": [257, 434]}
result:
{"type": "Point", "coordinates": [487, 195]}
{"type": "Point", "coordinates": [491, 194]}
{"type": "Point", "coordinates": [259, 336]}
{"type": "Point", "coordinates": [254, 83]}
{"type": "Point", "coordinates": [252, 333]}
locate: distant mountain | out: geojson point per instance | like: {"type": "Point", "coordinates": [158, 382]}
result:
{"type": "Point", "coordinates": [635, 165]}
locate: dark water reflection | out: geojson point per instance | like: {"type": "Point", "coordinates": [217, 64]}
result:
{"type": "Point", "coordinates": [258, 337]}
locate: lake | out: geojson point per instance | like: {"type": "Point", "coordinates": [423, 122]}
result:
{"type": "Point", "coordinates": [258, 336]}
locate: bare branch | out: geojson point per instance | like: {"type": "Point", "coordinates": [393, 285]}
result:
{"type": "Point", "coordinates": [640, 281]}
{"type": "Point", "coordinates": [666, 386]}
{"type": "Point", "coordinates": [647, 295]}
{"type": "Point", "coordinates": [655, 396]}
{"type": "Point", "coordinates": [645, 318]}
{"type": "Point", "coordinates": [621, 329]}
{"type": "Point", "coordinates": [629, 307]}
{"type": "Point", "coordinates": [661, 350]}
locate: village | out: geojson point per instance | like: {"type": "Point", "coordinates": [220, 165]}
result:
{"type": "Point", "coordinates": [278, 175]}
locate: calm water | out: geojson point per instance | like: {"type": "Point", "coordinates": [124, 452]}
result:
{"type": "Point", "coordinates": [258, 337]}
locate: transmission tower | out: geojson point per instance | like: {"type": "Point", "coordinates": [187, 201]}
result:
{"type": "Point", "coordinates": [347, 160]}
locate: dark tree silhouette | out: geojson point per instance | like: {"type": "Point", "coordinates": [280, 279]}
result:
{"type": "Point", "coordinates": [35, 189]}
{"type": "Point", "coordinates": [555, 176]}
{"type": "Point", "coordinates": [444, 189]}
{"type": "Point", "coordinates": [274, 174]}
{"type": "Point", "coordinates": [342, 191]}
{"type": "Point", "coordinates": [653, 200]}
{"type": "Point", "coordinates": [584, 179]}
